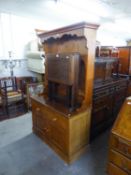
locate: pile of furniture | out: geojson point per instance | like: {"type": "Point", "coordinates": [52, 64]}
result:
{"type": "Point", "coordinates": [13, 96]}
{"type": "Point", "coordinates": [112, 84]}
{"type": "Point", "coordinates": [78, 102]}
{"type": "Point", "coordinates": [108, 94]}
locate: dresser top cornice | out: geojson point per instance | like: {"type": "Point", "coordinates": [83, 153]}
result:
{"type": "Point", "coordinates": [75, 29]}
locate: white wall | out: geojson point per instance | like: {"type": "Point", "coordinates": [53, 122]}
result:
{"type": "Point", "coordinates": [16, 32]}
{"type": "Point", "coordinates": [15, 35]}
{"type": "Point", "coordinates": [19, 70]}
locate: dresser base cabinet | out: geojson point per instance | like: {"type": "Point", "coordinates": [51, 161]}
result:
{"type": "Point", "coordinates": [66, 135]}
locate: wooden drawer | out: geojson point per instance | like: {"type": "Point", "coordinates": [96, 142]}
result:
{"type": "Point", "coordinates": [40, 121]}
{"type": "Point", "coordinates": [52, 126]}
{"type": "Point", "coordinates": [114, 170]}
{"type": "Point", "coordinates": [55, 119]}
{"type": "Point", "coordinates": [50, 115]}
{"type": "Point", "coordinates": [99, 105]}
{"type": "Point", "coordinates": [100, 93]}
{"type": "Point", "coordinates": [121, 161]}
{"type": "Point", "coordinates": [120, 145]}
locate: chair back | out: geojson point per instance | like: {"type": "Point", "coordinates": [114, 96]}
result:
{"type": "Point", "coordinates": [8, 83]}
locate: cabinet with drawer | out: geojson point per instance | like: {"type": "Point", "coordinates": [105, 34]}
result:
{"type": "Point", "coordinates": [67, 135]}
{"type": "Point", "coordinates": [107, 101]}
{"type": "Point", "coordinates": [120, 142]}
{"type": "Point", "coordinates": [51, 126]}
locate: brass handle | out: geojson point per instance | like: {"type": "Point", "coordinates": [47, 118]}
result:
{"type": "Point", "coordinates": [54, 119]}
{"type": "Point", "coordinates": [37, 109]}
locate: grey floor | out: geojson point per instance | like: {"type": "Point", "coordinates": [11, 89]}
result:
{"type": "Point", "coordinates": [23, 153]}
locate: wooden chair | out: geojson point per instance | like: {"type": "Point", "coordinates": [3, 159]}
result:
{"type": "Point", "coordinates": [10, 94]}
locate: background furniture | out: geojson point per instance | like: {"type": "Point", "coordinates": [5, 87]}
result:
{"type": "Point", "coordinates": [23, 81]}
{"type": "Point", "coordinates": [106, 51]}
{"type": "Point", "coordinates": [120, 142]}
{"type": "Point", "coordinates": [122, 62]}
{"type": "Point", "coordinates": [110, 90]}
{"type": "Point", "coordinates": [125, 60]}
{"type": "Point", "coordinates": [108, 98]}
{"type": "Point", "coordinates": [65, 130]}
{"type": "Point", "coordinates": [20, 106]}
{"type": "Point", "coordinates": [104, 69]}
{"type": "Point", "coordinates": [34, 89]}
{"type": "Point", "coordinates": [35, 61]}
{"type": "Point", "coordinates": [12, 98]}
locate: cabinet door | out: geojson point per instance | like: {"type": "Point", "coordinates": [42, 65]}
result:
{"type": "Point", "coordinates": [124, 55]}
{"type": "Point", "coordinates": [101, 114]}
{"type": "Point", "coordinates": [42, 123]}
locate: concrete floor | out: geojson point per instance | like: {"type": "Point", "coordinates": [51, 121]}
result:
{"type": "Point", "coordinates": [23, 153]}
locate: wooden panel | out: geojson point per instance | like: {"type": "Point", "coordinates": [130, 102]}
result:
{"type": "Point", "coordinates": [79, 135]}
{"type": "Point", "coordinates": [61, 67]}
{"type": "Point", "coordinates": [100, 71]}
{"type": "Point", "coordinates": [120, 145]}
{"type": "Point", "coordinates": [124, 56]}
{"type": "Point", "coordinates": [120, 161]}
{"type": "Point", "coordinates": [122, 125]}
{"type": "Point", "coordinates": [114, 170]}
{"type": "Point", "coordinates": [59, 137]}
{"type": "Point", "coordinates": [120, 142]}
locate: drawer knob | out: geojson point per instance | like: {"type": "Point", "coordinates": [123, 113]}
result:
{"type": "Point", "coordinates": [54, 119]}
{"type": "Point", "coordinates": [37, 109]}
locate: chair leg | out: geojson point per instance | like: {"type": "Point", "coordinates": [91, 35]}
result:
{"type": "Point", "coordinates": [7, 110]}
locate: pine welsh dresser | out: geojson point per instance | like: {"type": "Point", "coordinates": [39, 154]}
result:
{"type": "Point", "coordinates": [61, 117]}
